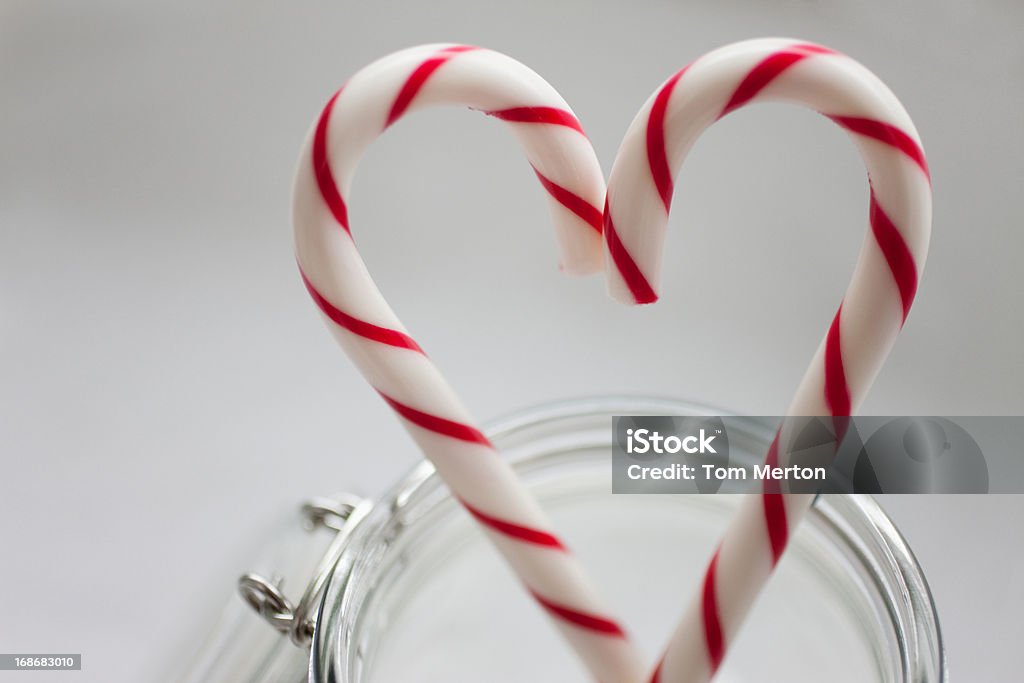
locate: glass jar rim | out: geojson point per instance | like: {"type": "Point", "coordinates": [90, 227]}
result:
{"type": "Point", "coordinates": [858, 519]}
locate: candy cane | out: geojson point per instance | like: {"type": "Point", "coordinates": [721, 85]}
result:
{"type": "Point", "coordinates": [395, 365]}
{"type": "Point", "coordinates": [869, 318]}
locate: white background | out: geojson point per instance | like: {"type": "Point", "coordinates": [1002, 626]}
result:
{"type": "Point", "coordinates": [167, 391]}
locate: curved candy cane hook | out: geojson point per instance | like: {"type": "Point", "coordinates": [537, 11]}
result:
{"type": "Point", "coordinates": [389, 358]}
{"type": "Point", "coordinates": [870, 316]}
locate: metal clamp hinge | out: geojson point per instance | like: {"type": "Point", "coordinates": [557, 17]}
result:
{"type": "Point", "coordinates": [265, 596]}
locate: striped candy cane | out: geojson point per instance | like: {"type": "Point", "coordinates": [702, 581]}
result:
{"type": "Point", "coordinates": [869, 318]}
{"type": "Point", "coordinates": [395, 365]}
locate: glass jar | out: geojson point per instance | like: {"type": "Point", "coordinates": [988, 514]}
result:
{"type": "Point", "coordinates": [419, 594]}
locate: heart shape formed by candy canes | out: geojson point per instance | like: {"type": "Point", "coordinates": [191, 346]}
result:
{"type": "Point", "coordinates": [389, 358]}
{"type": "Point", "coordinates": [635, 217]}
{"type": "Point", "coordinates": [869, 318]}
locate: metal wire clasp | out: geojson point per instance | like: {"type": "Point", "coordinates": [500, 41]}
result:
{"type": "Point", "coordinates": [342, 514]}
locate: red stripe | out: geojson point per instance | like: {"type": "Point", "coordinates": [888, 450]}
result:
{"type": "Point", "coordinates": [841, 425]}
{"type": "Point", "coordinates": [712, 627]}
{"type": "Point", "coordinates": [362, 328]}
{"type": "Point", "coordinates": [775, 518]}
{"type": "Point", "coordinates": [656, 676]}
{"type": "Point", "coordinates": [657, 153]}
{"type": "Point", "coordinates": [322, 168]}
{"type": "Point", "coordinates": [897, 254]}
{"type": "Point", "coordinates": [592, 215]}
{"type": "Point", "coordinates": [520, 533]}
{"type": "Point", "coordinates": [586, 621]}
{"type": "Point", "coordinates": [438, 425]}
{"type": "Point", "coordinates": [761, 75]}
{"type": "Point", "coordinates": [775, 507]}
{"type": "Point", "coordinates": [638, 285]}
{"type": "Point", "coordinates": [419, 76]}
{"type": "Point", "coordinates": [837, 393]}
{"type": "Point", "coordinates": [551, 115]}
{"type": "Point", "coordinates": [888, 134]}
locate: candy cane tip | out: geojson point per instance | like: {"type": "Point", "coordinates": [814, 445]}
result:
{"type": "Point", "coordinates": [645, 299]}
{"type": "Point", "coordinates": [634, 300]}
{"type": "Point", "coordinates": [632, 296]}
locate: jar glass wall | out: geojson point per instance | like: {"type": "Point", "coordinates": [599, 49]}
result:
{"type": "Point", "coordinates": [420, 595]}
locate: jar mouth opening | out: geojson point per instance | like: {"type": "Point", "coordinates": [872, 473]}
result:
{"type": "Point", "coordinates": [858, 520]}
